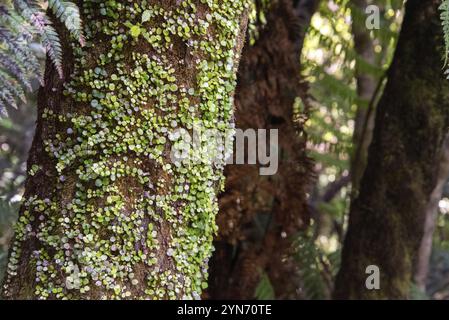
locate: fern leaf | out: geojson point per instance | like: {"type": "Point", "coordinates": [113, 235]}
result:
{"type": "Point", "coordinates": [50, 41]}
{"type": "Point", "coordinates": [68, 13]}
{"type": "Point", "coordinates": [13, 20]}
{"type": "Point", "coordinates": [9, 65]}
{"type": "Point", "coordinates": [6, 98]}
{"type": "Point", "coordinates": [19, 49]}
{"type": "Point", "coordinates": [21, 22]}
{"type": "Point", "coordinates": [39, 21]}
{"type": "Point", "coordinates": [11, 88]}
{"type": "Point", "coordinates": [28, 60]}
{"type": "Point", "coordinates": [444, 16]}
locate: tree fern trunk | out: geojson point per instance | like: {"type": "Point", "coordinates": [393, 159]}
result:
{"type": "Point", "coordinates": [106, 213]}
{"type": "Point", "coordinates": [260, 215]}
{"type": "Point", "coordinates": [386, 220]}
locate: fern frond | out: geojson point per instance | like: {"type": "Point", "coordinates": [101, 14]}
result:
{"type": "Point", "coordinates": [28, 60]}
{"type": "Point", "coordinates": [308, 258]}
{"type": "Point", "coordinates": [24, 21]}
{"type": "Point", "coordinates": [68, 13]}
{"type": "Point", "coordinates": [17, 47]}
{"type": "Point", "coordinates": [39, 21]}
{"type": "Point", "coordinates": [11, 88]}
{"type": "Point", "coordinates": [14, 21]}
{"type": "Point", "coordinates": [444, 17]}
{"type": "Point", "coordinates": [26, 8]}
{"type": "Point", "coordinates": [50, 41]}
{"type": "Point", "coordinates": [15, 69]}
{"type": "Point", "coordinates": [7, 97]}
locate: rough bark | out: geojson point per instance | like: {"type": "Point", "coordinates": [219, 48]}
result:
{"type": "Point", "coordinates": [431, 215]}
{"type": "Point", "coordinates": [107, 214]}
{"type": "Point", "coordinates": [260, 215]}
{"type": "Point", "coordinates": [386, 219]}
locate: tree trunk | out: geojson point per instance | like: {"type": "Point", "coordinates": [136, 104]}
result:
{"type": "Point", "coordinates": [431, 216]}
{"type": "Point", "coordinates": [107, 213]}
{"type": "Point", "coordinates": [366, 88]}
{"type": "Point", "coordinates": [386, 219]}
{"type": "Point", "coordinates": [260, 215]}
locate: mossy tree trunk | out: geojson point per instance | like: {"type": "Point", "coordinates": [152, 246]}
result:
{"type": "Point", "coordinates": [387, 218]}
{"type": "Point", "coordinates": [261, 215]}
{"type": "Point", "coordinates": [431, 219]}
{"type": "Point", "coordinates": [106, 213]}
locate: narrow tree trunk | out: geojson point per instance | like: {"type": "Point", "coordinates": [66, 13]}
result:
{"type": "Point", "coordinates": [260, 215]}
{"type": "Point", "coordinates": [431, 215]}
{"type": "Point", "coordinates": [366, 87]}
{"type": "Point", "coordinates": [107, 214]}
{"type": "Point", "coordinates": [386, 220]}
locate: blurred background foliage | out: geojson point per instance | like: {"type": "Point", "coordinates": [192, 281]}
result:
{"type": "Point", "coordinates": [329, 64]}
{"type": "Point", "coordinates": [27, 36]}
{"type": "Point", "coordinates": [16, 134]}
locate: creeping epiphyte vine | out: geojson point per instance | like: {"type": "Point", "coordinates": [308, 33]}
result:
{"type": "Point", "coordinates": [122, 220]}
